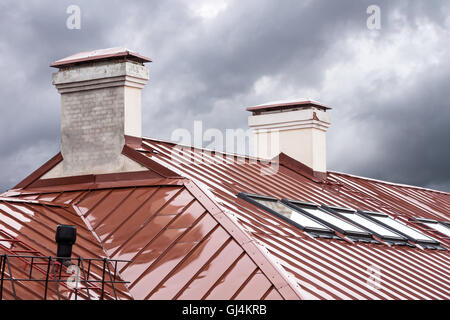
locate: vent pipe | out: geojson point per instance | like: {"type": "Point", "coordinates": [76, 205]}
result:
{"type": "Point", "coordinates": [65, 238]}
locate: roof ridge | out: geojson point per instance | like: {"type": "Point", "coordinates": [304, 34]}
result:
{"type": "Point", "coordinates": [88, 225]}
{"type": "Point", "coordinates": [274, 274]}
{"type": "Point", "coordinates": [272, 160]}
{"type": "Point", "coordinates": [32, 201]}
{"type": "Point", "coordinates": [402, 185]}
{"type": "Point", "coordinates": [207, 149]}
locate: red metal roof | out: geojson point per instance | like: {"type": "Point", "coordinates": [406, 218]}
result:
{"type": "Point", "coordinates": [101, 54]}
{"type": "Point", "coordinates": [192, 237]}
{"type": "Point", "coordinates": [324, 269]}
{"type": "Point", "coordinates": [27, 228]}
{"type": "Point", "coordinates": [177, 248]}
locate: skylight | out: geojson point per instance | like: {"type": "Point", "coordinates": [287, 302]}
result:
{"type": "Point", "coordinates": [302, 221]}
{"type": "Point", "coordinates": [333, 222]}
{"type": "Point", "coordinates": [441, 227]}
{"type": "Point", "coordinates": [403, 229]}
{"type": "Point", "coordinates": [329, 219]}
{"type": "Point", "coordinates": [363, 222]}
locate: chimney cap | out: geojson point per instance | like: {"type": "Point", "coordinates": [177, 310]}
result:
{"type": "Point", "coordinates": [101, 54]}
{"type": "Point", "coordinates": [287, 104]}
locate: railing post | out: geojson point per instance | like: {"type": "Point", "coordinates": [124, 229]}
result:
{"type": "Point", "coordinates": [86, 283]}
{"type": "Point", "coordinates": [46, 279]}
{"type": "Point", "coordinates": [2, 270]}
{"type": "Point", "coordinates": [112, 281]}
{"type": "Point", "coordinates": [103, 279]}
{"type": "Point", "coordinates": [10, 276]}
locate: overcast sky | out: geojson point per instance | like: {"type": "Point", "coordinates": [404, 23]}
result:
{"type": "Point", "coordinates": [389, 88]}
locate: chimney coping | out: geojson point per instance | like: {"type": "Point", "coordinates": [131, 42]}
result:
{"type": "Point", "coordinates": [280, 105]}
{"type": "Point", "coordinates": [96, 55]}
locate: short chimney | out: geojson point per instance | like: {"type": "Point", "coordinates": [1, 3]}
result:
{"type": "Point", "coordinates": [101, 108]}
{"type": "Point", "coordinates": [295, 128]}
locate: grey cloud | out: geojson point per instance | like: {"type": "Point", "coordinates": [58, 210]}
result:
{"type": "Point", "coordinates": [202, 67]}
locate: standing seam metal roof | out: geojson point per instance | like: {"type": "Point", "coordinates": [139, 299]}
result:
{"type": "Point", "coordinates": [193, 238]}
{"type": "Point", "coordinates": [325, 269]}
{"type": "Point", "coordinates": [177, 248]}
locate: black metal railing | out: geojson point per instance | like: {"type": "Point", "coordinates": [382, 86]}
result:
{"type": "Point", "coordinates": [60, 278]}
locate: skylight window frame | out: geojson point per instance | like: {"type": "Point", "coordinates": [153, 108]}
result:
{"type": "Point", "coordinates": [434, 244]}
{"type": "Point", "coordinates": [425, 222]}
{"type": "Point", "coordinates": [445, 223]}
{"type": "Point", "coordinates": [327, 232]}
{"type": "Point", "coordinates": [400, 240]}
{"type": "Point", "coordinates": [356, 236]}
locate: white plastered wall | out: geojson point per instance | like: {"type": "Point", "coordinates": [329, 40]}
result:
{"type": "Point", "coordinates": [301, 134]}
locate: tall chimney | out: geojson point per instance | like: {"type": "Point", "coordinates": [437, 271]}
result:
{"type": "Point", "coordinates": [295, 128]}
{"type": "Point", "coordinates": [101, 107]}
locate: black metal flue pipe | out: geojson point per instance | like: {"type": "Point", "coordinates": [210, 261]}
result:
{"type": "Point", "coordinates": [65, 238]}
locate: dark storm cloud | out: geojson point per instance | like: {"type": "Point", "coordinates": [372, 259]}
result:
{"type": "Point", "coordinates": [412, 134]}
{"type": "Point", "coordinates": [208, 69]}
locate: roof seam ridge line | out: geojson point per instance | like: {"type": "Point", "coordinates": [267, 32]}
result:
{"type": "Point", "coordinates": [98, 186]}
{"type": "Point", "coordinates": [255, 255]}
{"type": "Point", "coordinates": [224, 274]}
{"type": "Point", "coordinates": [29, 201]}
{"type": "Point", "coordinates": [31, 217]}
{"type": "Point", "coordinates": [88, 212]}
{"type": "Point", "coordinates": [264, 296]}
{"type": "Point", "coordinates": [88, 225]}
{"type": "Point", "coordinates": [148, 163]}
{"type": "Point", "coordinates": [202, 268]}
{"type": "Point", "coordinates": [245, 283]}
{"type": "Point", "coordinates": [148, 221]}
{"type": "Point", "coordinates": [90, 228]}
{"type": "Point", "coordinates": [223, 153]}
{"type": "Point", "coordinates": [402, 185]}
{"type": "Point", "coordinates": [166, 251]}
{"type": "Point", "coordinates": [117, 206]}
{"type": "Point", "coordinates": [54, 221]}
{"type": "Point", "coordinates": [17, 220]}
{"type": "Point", "coordinates": [185, 258]}
{"type": "Point", "coordinates": [31, 240]}
{"type": "Point", "coordinates": [134, 212]}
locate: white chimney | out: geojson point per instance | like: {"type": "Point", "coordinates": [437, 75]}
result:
{"type": "Point", "coordinates": [295, 128]}
{"type": "Point", "coordinates": [101, 107]}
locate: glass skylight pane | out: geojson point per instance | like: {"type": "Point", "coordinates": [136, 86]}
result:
{"type": "Point", "coordinates": [376, 228]}
{"type": "Point", "coordinates": [403, 228]}
{"type": "Point", "coordinates": [333, 220]}
{"type": "Point", "coordinates": [291, 214]}
{"type": "Point", "coordinates": [439, 227]}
